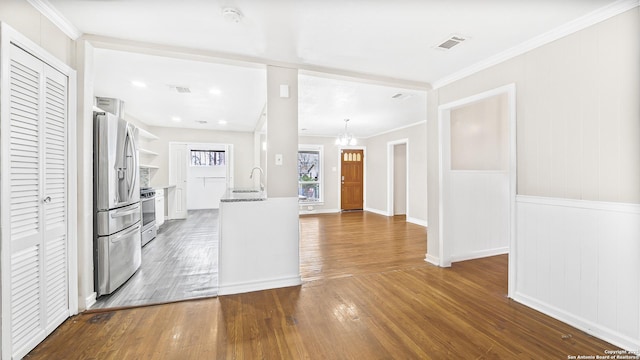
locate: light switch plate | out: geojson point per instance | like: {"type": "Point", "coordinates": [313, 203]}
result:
{"type": "Point", "coordinates": [284, 91]}
{"type": "Point", "coordinates": [278, 159]}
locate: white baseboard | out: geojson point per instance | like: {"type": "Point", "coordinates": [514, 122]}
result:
{"type": "Point", "coordinates": [480, 254]}
{"type": "Point", "coordinates": [417, 221]}
{"type": "Point", "coordinates": [376, 211]}
{"type": "Point", "coordinates": [434, 260]}
{"type": "Point", "coordinates": [245, 287]}
{"type": "Point", "coordinates": [318, 211]}
{"type": "Point", "coordinates": [589, 327]}
{"type": "Point", "coordinates": [90, 300]}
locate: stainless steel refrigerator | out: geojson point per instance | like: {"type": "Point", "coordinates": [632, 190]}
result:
{"type": "Point", "coordinates": [117, 225]}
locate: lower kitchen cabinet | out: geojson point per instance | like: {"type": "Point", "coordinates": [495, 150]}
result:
{"type": "Point", "coordinates": [159, 207]}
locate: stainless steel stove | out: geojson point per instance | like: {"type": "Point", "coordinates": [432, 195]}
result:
{"type": "Point", "coordinates": [148, 200]}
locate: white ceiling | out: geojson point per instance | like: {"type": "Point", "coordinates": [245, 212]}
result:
{"type": "Point", "coordinates": [219, 92]}
{"type": "Point", "coordinates": [377, 39]}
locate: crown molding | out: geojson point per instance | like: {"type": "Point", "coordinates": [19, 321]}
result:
{"type": "Point", "coordinates": [396, 129]}
{"type": "Point", "coordinates": [569, 28]}
{"type": "Point", "coordinates": [51, 13]}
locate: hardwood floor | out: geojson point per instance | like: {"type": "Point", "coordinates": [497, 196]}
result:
{"type": "Point", "coordinates": [180, 263]}
{"type": "Point", "coordinates": [355, 243]}
{"type": "Point", "coordinates": [403, 308]}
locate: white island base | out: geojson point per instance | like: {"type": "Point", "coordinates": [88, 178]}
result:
{"type": "Point", "coordinates": [258, 245]}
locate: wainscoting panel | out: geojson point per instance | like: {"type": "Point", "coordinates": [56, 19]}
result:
{"type": "Point", "coordinates": [579, 261]}
{"type": "Point", "coordinates": [477, 224]}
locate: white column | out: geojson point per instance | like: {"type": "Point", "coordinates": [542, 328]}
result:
{"type": "Point", "coordinates": [282, 131]}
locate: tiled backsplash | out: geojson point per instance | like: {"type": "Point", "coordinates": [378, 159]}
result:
{"type": "Point", "coordinates": [144, 177]}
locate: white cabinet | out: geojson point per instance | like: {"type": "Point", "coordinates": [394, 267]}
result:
{"type": "Point", "coordinates": [159, 207]}
{"type": "Point", "coordinates": [36, 219]}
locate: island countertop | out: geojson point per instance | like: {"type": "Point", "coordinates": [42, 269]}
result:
{"type": "Point", "coordinates": [241, 194]}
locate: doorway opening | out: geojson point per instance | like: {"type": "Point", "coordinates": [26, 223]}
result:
{"type": "Point", "coordinates": [398, 177]}
{"type": "Point", "coordinates": [201, 173]}
{"type": "Point", "coordinates": [477, 170]}
{"type": "Point", "coordinates": [182, 261]}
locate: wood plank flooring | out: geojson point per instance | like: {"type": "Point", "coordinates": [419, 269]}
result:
{"type": "Point", "coordinates": [358, 242]}
{"type": "Point", "coordinates": [180, 263]}
{"type": "Point", "coordinates": [402, 309]}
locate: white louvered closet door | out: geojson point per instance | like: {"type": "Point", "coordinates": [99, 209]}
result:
{"type": "Point", "coordinates": [37, 156]}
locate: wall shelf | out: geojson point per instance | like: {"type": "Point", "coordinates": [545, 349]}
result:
{"type": "Point", "coordinates": [147, 135]}
{"type": "Point", "coordinates": [147, 152]}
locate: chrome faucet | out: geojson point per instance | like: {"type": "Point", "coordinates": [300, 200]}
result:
{"type": "Point", "coordinates": [261, 176]}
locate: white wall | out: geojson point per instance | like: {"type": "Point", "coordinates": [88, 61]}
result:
{"type": "Point", "coordinates": [243, 153]}
{"type": "Point", "coordinates": [282, 132]}
{"type": "Point", "coordinates": [31, 23]}
{"type": "Point", "coordinates": [400, 179]}
{"type": "Point", "coordinates": [376, 171]}
{"type": "Point", "coordinates": [578, 137]}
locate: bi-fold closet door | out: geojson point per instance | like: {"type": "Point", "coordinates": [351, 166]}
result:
{"type": "Point", "coordinates": [34, 213]}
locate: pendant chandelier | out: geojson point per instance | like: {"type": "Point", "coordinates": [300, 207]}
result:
{"type": "Point", "coordinates": [345, 138]}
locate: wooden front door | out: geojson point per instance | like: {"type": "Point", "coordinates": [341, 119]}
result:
{"type": "Point", "coordinates": [352, 179]}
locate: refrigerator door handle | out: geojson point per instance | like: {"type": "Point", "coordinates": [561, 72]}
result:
{"type": "Point", "coordinates": [130, 143]}
{"type": "Point", "coordinates": [118, 214]}
{"type": "Point", "coordinates": [126, 233]}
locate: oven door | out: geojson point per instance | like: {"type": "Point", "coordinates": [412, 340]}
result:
{"type": "Point", "coordinates": [148, 211]}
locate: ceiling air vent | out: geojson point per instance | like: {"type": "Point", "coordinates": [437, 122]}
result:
{"type": "Point", "coordinates": [180, 89]}
{"type": "Point", "coordinates": [201, 121]}
{"type": "Point", "coordinates": [402, 96]}
{"type": "Point", "coordinates": [451, 42]}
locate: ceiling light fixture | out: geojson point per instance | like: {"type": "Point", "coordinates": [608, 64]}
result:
{"type": "Point", "coordinates": [215, 91]}
{"type": "Point", "coordinates": [176, 119]}
{"type": "Point", "coordinates": [222, 122]}
{"type": "Point", "coordinates": [345, 138]}
{"type": "Point", "coordinates": [232, 15]}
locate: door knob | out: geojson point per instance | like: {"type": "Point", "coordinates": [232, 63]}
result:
{"type": "Point", "coordinates": [47, 200]}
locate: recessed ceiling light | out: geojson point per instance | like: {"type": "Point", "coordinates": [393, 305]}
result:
{"type": "Point", "coordinates": [139, 84]}
{"type": "Point", "coordinates": [222, 122]}
{"type": "Point", "coordinates": [215, 91]}
{"type": "Point", "coordinates": [176, 119]}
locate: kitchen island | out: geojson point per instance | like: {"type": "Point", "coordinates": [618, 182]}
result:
{"type": "Point", "coordinates": [258, 239]}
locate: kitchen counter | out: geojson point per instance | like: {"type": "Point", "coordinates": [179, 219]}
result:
{"type": "Point", "coordinates": [160, 187]}
{"type": "Point", "coordinates": [240, 194]}
{"type": "Point", "coordinates": [169, 193]}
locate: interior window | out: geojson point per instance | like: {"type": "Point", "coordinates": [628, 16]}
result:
{"type": "Point", "coordinates": [207, 158]}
